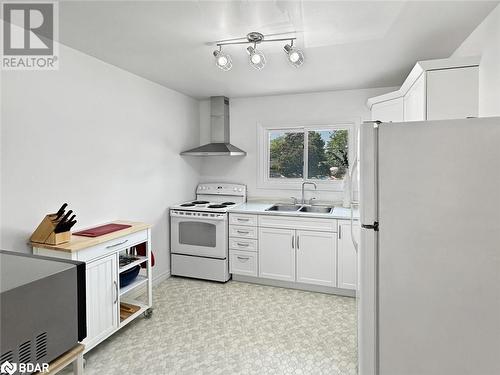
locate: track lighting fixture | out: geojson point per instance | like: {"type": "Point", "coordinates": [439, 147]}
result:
{"type": "Point", "coordinates": [223, 60]}
{"type": "Point", "coordinates": [295, 56]}
{"type": "Point", "coordinates": [255, 57]}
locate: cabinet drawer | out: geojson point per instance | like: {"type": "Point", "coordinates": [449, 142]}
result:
{"type": "Point", "coordinates": [112, 246]}
{"type": "Point", "coordinates": [242, 263]}
{"type": "Point", "coordinates": [304, 223]}
{"type": "Point", "coordinates": [243, 244]}
{"type": "Point", "coordinates": [242, 231]}
{"type": "Point", "coordinates": [243, 219]}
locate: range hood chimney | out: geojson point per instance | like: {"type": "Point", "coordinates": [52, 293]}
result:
{"type": "Point", "coordinates": [219, 124]}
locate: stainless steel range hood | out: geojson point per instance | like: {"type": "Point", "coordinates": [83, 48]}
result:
{"type": "Point", "coordinates": [219, 124]}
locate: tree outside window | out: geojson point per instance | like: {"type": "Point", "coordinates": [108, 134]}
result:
{"type": "Point", "coordinates": [286, 151]}
{"type": "Point", "coordinates": [327, 154]}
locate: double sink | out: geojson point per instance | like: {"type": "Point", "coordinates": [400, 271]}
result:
{"type": "Point", "coordinates": [300, 208]}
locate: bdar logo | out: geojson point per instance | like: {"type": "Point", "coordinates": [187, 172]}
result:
{"type": "Point", "coordinates": [8, 368]}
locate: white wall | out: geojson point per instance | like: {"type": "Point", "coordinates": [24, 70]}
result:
{"type": "Point", "coordinates": [246, 113]}
{"type": "Point", "coordinates": [485, 42]}
{"type": "Point", "coordinates": [95, 136]}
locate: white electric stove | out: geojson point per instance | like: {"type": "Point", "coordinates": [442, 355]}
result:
{"type": "Point", "coordinates": [199, 232]}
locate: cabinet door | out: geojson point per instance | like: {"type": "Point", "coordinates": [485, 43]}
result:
{"type": "Point", "coordinates": [102, 299]}
{"type": "Point", "coordinates": [389, 110]}
{"type": "Point", "coordinates": [452, 93]}
{"type": "Point", "coordinates": [414, 101]}
{"type": "Point", "coordinates": [316, 258]}
{"type": "Point", "coordinates": [347, 256]}
{"type": "Point", "coordinates": [277, 254]}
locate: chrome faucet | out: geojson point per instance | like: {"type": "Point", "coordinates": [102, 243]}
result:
{"type": "Point", "coordinates": [306, 183]}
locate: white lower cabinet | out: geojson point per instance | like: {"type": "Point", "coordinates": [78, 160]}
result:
{"type": "Point", "coordinates": [298, 255]}
{"type": "Point", "coordinates": [316, 258]}
{"type": "Point", "coordinates": [102, 298]}
{"type": "Point", "coordinates": [243, 263]}
{"type": "Point", "coordinates": [243, 245]}
{"type": "Point", "coordinates": [277, 254]}
{"type": "Point", "coordinates": [302, 250]}
{"type": "Point", "coordinates": [347, 256]}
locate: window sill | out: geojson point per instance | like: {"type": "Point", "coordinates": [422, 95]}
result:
{"type": "Point", "coordinates": [333, 186]}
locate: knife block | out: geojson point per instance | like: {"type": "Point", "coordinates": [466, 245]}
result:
{"type": "Point", "coordinates": [58, 238]}
{"type": "Point", "coordinates": [44, 233]}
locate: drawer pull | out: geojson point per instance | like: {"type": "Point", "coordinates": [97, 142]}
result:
{"type": "Point", "coordinates": [240, 219]}
{"type": "Point", "coordinates": [116, 244]}
{"type": "Point", "coordinates": [243, 231]}
{"type": "Point", "coordinates": [242, 244]}
{"type": "Point", "coordinates": [243, 258]}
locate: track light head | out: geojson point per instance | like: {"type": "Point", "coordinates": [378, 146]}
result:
{"type": "Point", "coordinates": [294, 56]}
{"type": "Point", "coordinates": [223, 60]}
{"type": "Point", "coordinates": [256, 58]}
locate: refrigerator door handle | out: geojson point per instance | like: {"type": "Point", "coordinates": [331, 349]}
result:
{"type": "Point", "coordinates": [373, 226]}
{"type": "Point", "coordinates": [353, 239]}
{"type": "Point", "coordinates": [351, 195]}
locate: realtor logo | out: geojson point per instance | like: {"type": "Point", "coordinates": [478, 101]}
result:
{"type": "Point", "coordinates": [29, 31]}
{"type": "Point", "coordinates": [8, 368]}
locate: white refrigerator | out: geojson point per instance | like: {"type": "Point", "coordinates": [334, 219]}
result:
{"type": "Point", "coordinates": [429, 255]}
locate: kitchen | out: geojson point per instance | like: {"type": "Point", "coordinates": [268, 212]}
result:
{"type": "Point", "coordinates": [106, 130]}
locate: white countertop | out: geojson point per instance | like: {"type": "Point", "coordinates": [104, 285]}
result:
{"type": "Point", "coordinates": [261, 207]}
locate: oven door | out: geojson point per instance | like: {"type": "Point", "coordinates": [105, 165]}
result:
{"type": "Point", "coordinates": [200, 234]}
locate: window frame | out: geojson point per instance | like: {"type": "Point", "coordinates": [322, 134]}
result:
{"type": "Point", "coordinates": [266, 182]}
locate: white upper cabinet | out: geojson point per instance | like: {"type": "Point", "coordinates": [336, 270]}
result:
{"type": "Point", "coordinates": [414, 101]}
{"type": "Point", "coordinates": [434, 90]}
{"type": "Point", "coordinates": [453, 93]}
{"type": "Point", "coordinates": [388, 111]}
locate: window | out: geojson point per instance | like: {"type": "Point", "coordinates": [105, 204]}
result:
{"type": "Point", "coordinates": [286, 154]}
{"type": "Point", "coordinates": [327, 154]}
{"type": "Point", "coordinates": [292, 155]}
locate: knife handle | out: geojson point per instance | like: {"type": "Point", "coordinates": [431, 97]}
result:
{"type": "Point", "coordinates": [61, 211]}
{"type": "Point", "coordinates": [61, 222]}
{"type": "Point", "coordinates": [70, 225]}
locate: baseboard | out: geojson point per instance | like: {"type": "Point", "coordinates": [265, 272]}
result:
{"type": "Point", "coordinates": [293, 285]}
{"type": "Point", "coordinates": [161, 277]}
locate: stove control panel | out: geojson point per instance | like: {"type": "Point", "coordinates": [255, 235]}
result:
{"type": "Point", "coordinates": [198, 215]}
{"type": "Point", "coordinates": [222, 189]}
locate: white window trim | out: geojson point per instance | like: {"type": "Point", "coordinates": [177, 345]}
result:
{"type": "Point", "coordinates": [263, 180]}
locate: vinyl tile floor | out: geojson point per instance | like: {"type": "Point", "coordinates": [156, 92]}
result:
{"type": "Point", "coordinates": [201, 327]}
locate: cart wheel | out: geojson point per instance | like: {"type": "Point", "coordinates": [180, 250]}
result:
{"type": "Point", "coordinates": [148, 313]}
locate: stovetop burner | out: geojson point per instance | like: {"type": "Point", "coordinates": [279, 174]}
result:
{"type": "Point", "coordinates": [215, 198]}
{"type": "Point", "coordinates": [216, 206]}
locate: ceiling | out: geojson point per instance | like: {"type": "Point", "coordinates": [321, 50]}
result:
{"type": "Point", "coordinates": [348, 44]}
